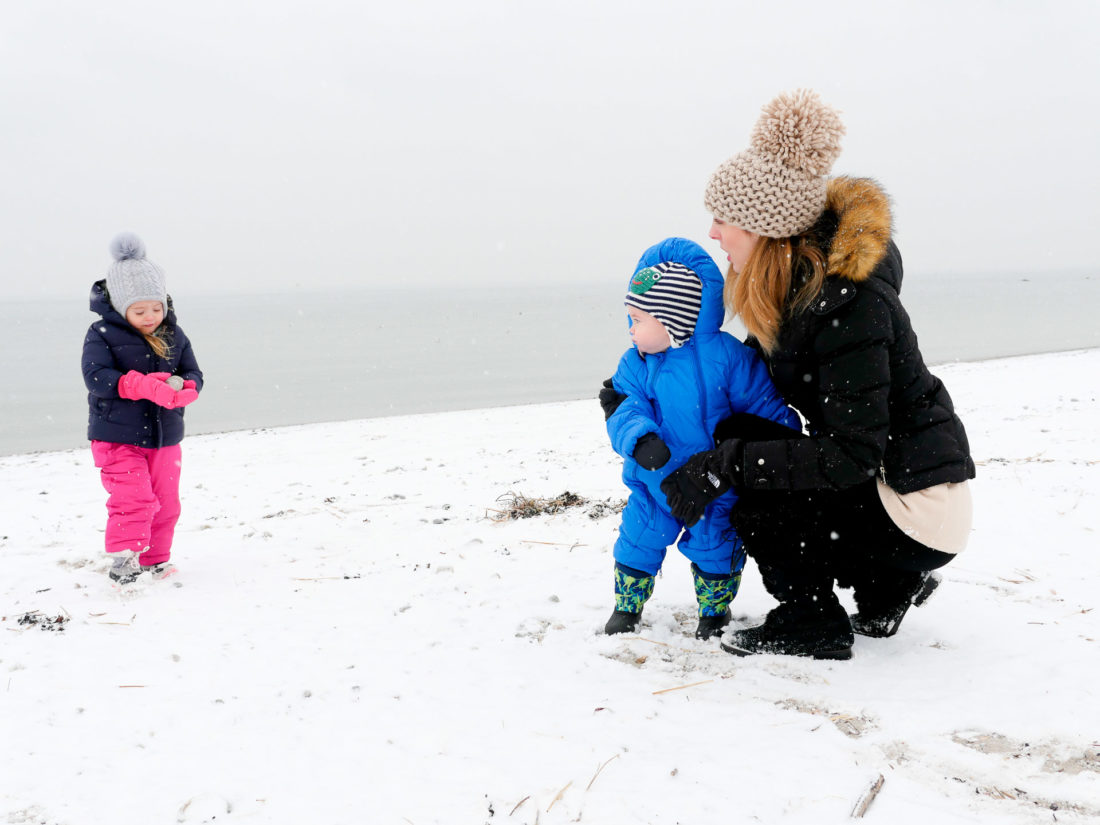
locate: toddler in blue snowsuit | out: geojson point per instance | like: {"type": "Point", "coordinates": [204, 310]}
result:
{"type": "Point", "coordinates": [682, 376]}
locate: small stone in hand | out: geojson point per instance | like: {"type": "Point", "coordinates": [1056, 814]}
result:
{"type": "Point", "coordinates": [174, 381]}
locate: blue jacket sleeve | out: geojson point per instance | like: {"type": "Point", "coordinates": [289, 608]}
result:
{"type": "Point", "coordinates": [752, 391]}
{"type": "Point", "coordinates": [635, 416]}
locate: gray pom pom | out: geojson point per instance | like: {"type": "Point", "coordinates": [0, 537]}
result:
{"type": "Point", "coordinates": [126, 246]}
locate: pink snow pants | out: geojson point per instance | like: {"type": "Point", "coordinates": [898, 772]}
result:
{"type": "Point", "coordinates": [143, 504]}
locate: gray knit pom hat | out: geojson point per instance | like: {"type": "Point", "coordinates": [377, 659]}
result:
{"type": "Point", "coordinates": [776, 187]}
{"type": "Point", "coordinates": [133, 277]}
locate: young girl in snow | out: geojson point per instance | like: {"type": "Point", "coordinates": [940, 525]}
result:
{"type": "Point", "coordinates": [140, 372]}
{"type": "Point", "coordinates": [682, 376]}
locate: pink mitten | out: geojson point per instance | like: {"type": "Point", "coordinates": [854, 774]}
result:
{"type": "Point", "coordinates": [186, 395]}
{"type": "Point", "coordinates": [135, 385]}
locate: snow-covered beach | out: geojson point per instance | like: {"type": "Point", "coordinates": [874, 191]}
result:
{"type": "Point", "coordinates": [355, 634]}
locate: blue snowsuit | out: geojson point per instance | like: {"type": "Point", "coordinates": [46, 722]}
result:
{"type": "Point", "coordinates": [681, 394]}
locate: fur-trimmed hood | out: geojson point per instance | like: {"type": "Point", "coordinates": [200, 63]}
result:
{"type": "Point", "coordinates": [850, 364]}
{"type": "Point", "coordinates": [860, 211]}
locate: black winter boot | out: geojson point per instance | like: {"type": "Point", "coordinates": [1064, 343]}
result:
{"type": "Point", "coordinates": [622, 622]}
{"type": "Point", "coordinates": [881, 617]}
{"type": "Point", "coordinates": [711, 626]}
{"type": "Point", "coordinates": [813, 625]}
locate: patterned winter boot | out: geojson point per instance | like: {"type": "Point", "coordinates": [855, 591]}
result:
{"type": "Point", "coordinates": [714, 592]}
{"type": "Point", "coordinates": [632, 590]}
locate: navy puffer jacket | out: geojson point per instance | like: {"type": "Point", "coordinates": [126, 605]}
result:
{"type": "Point", "coordinates": [111, 349]}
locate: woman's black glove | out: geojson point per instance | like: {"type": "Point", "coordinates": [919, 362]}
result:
{"type": "Point", "coordinates": [703, 478]}
{"type": "Point", "coordinates": [651, 452]}
{"type": "Point", "coordinates": [749, 427]}
{"type": "Point", "coordinates": [610, 399]}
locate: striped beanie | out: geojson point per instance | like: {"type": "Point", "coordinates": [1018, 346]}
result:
{"type": "Point", "coordinates": [672, 294]}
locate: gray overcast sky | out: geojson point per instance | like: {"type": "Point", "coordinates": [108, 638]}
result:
{"type": "Point", "coordinates": [263, 146]}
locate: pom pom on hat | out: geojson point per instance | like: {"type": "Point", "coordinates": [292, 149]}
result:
{"type": "Point", "coordinates": [776, 188]}
{"type": "Point", "coordinates": [799, 131]}
{"type": "Point", "coordinates": [127, 246]}
{"type": "Point", "coordinates": [133, 277]}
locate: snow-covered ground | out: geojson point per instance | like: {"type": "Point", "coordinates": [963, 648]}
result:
{"type": "Point", "coordinates": [352, 637]}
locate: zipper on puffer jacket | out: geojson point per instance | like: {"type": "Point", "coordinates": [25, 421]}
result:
{"type": "Point", "coordinates": [700, 386]}
{"type": "Point", "coordinates": [651, 387]}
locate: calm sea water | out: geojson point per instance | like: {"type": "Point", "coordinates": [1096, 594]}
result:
{"type": "Point", "coordinates": [279, 359]}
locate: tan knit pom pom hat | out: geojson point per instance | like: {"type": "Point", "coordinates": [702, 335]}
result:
{"type": "Point", "coordinates": [776, 188]}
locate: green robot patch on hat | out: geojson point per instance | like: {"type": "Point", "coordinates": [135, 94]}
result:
{"type": "Point", "coordinates": [644, 280]}
{"type": "Point", "coordinates": [671, 293]}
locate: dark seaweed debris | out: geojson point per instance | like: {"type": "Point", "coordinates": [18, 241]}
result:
{"type": "Point", "coordinates": [517, 506]}
{"type": "Point", "coordinates": [53, 623]}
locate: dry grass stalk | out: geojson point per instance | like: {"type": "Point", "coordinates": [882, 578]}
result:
{"type": "Point", "coordinates": [561, 793]}
{"type": "Point", "coordinates": [600, 768]}
{"type": "Point", "coordinates": [683, 687]}
{"type": "Point", "coordinates": [553, 543]}
{"type": "Point", "coordinates": [320, 578]}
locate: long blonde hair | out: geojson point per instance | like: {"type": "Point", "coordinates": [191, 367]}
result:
{"type": "Point", "coordinates": [762, 293]}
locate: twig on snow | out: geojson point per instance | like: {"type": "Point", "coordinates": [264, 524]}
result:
{"type": "Point", "coordinates": [518, 804]}
{"type": "Point", "coordinates": [864, 802]}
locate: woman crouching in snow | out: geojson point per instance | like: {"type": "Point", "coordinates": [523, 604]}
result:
{"type": "Point", "coordinates": [876, 496]}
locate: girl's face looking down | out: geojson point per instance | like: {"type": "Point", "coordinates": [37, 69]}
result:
{"type": "Point", "coordinates": [648, 334]}
{"type": "Point", "coordinates": [145, 316]}
{"type": "Point", "coordinates": [736, 242]}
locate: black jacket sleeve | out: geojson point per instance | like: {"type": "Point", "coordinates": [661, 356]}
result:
{"type": "Point", "coordinates": [849, 369]}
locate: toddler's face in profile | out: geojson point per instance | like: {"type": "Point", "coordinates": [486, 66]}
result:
{"type": "Point", "coordinates": [648, 334]}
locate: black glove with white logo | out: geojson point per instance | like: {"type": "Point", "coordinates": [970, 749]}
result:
{"type": "Point", "coordinates": [702, 479]}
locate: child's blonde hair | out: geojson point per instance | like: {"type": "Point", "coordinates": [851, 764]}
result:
{"type": "Point", "coordinates": [159, 342]}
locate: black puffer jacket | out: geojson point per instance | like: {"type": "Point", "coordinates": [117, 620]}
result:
{"type": "Point", "coordinates": [851, 365]}
{"type": "Point", "coordinates": [112, 348]}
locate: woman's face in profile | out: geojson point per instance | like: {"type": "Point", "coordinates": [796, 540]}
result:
{"type": "Point", "coordinates": [736, 242]}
